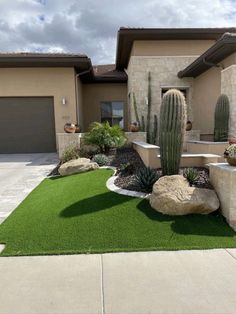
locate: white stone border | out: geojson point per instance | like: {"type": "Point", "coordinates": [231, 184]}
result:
{"type": "Point", "coordinates": [2, 247]}
{"type": "Point", "coordinates": [110, 184]}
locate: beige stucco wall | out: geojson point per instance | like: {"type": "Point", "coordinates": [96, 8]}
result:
{"type": "Point", "coordinates": [207, 88]}
{"type": "Point", "coordinates": [163, 71]}
{"type": "Point", "coordinates": [94, 94]}
{"type": "Point", "coordinates": [56, 82]}
{"type": "Point", "coordinates": [170, 47]}
{"type": "Point", "coordinates": [206, 91]}
{"type": "Point", "coordinates": [229, 61]}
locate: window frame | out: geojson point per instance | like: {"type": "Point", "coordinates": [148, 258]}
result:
{"type": "Point", "coordinates": [112, 117]}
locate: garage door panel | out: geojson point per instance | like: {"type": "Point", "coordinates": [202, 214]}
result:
{"type": "Point", "coordinates": [27, 125]}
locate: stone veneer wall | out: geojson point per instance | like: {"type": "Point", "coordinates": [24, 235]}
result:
{"type": "Point", "coordinates": [228, 87]}
{"type": "Point", "coordinates": [164, 71]}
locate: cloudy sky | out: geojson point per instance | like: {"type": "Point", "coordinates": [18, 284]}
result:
{"type": "Point", "coordinates": [90, 26]}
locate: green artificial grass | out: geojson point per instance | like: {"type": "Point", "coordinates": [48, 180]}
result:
{"type": "Point", "coordinates": [77, 214]}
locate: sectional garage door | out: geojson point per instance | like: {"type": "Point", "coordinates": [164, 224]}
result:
{"type": "Point", "coordinates": [27, 125]}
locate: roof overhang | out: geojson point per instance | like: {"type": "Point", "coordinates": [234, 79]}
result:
{"type": "Point", "coordinates": [126, 37]}
{"type": "Point", "coordinates": [114, 76]}
{"type": "Point", "coordinates": [16, 60]}
{"type": "Point", "coordinates": [223, 48]}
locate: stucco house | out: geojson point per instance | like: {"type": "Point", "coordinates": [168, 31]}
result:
{"type": "Point", "coordinates": [39, 93]}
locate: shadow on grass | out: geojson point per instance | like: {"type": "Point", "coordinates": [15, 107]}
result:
{"type": "Point", "coordinates": [94, 204]}
{"type": "Point", "coordinates": [203, 225]}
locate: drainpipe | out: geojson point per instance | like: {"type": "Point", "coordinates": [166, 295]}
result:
{"type": "Point", "coordinates": [77, 91]}
{"type": "Point", "coordinates": [211, 64]}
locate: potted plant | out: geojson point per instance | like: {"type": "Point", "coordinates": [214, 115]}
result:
{"type": "Point", "coordinates": [134, 127]}
{"type": "Point", "coordinates": [189, 126]}
{"type": "Point", "coordinates": [230, 154]}
{"type": "Point", "coordinates": [77, 128]}
{"type": "Point", "coordinates": [69, 128]}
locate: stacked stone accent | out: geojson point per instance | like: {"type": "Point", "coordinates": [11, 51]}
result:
{"type": "Point", "coordinates": [164, 71]}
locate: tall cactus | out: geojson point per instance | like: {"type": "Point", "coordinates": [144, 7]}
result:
{"type": "Point", "coordinates": [221, 128]}
{"type": "Point", "coordinates": [136, 110]}
{"type": "Point", "coordinates": [172, 129]}
{"type": "Point", "coordinates": [149, 107]}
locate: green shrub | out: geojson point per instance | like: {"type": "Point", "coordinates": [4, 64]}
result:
{"type": "Point", "coordinates": [191, 175]}
{"type": "Point", "coordinates": [105, 136]}
{"type": "Point", "coordinates": [70, 153]}
{"type": "Point", "coordinates": [230, 151]}
{"type": "Point", "coordinates": [145, 179]}
{"type": "Point", "coordinates": [88, 151]}
{"type": "Point", "coordinates": [101, 159]}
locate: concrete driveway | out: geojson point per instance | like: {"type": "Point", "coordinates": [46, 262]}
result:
{"type": "Point", "coordinates": [19, 175]}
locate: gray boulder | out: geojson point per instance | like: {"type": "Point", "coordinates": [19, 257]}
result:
{"type": "Point", "coordinates": [77, 166]}
{"type": "Point", "coordinates": [172, 195]}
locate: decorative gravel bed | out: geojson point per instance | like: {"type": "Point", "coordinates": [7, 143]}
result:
{"type": "Point", "coordinates": [131, 157]}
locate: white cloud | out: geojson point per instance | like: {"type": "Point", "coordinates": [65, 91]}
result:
{"type": "Point", "coordinates": [90, 26]}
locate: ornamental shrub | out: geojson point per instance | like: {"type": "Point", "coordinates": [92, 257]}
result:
{"type": "Point", "coordinates": [105, 136]}
{"type": "Point", "coordinates": [101, 159]}
{"type": "Point", "coordinates": [70, 153]}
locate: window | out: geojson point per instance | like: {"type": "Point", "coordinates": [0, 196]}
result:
{"type": "Point", "coordinates": [183, 90]}
{"type": "Point", "coordinates": [113, 112]}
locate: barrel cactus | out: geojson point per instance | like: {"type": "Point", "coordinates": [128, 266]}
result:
{"type": "Point", "coordinates": [172, 130]}
{"type": "Point", "coordinates": [221, 128]}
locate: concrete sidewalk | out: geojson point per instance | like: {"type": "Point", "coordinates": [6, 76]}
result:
{"type": "Point", "coordinates": [124, 283]}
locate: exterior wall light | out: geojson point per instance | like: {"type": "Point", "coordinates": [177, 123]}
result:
{"type": "Point", "coordinates": [63, 101]}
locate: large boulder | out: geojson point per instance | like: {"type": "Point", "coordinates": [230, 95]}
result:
{"type": "Point", "coordinates": [172, 195]}
{"type": "Point", "coordinates": [77, 166]}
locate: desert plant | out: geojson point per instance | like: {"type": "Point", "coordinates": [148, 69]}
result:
{"type": "Point", "coordinates": [230, 151]}
{"type": "Point", "coordinates": [191, 175]}
{"type": "Point", "coordinates": [105, 136]}
{"type": "Point", "coordinates": [153, 137]}
{"type": "Point", "coordinates": [135, 109]}
{"type": "Point", "coordinates": [145, 178]}
{"type": "Point", "coordinates": [126, 168]}
{"type": "Point", "coordinates": [101, 159]}
{"type": "Point", "coordinates": [89, 150]}
{"type": "Point", "coordinates": [221, 128]}
{"type": "Point", "coordinates": [70, 153]}
{"type": "Point", "coordinates": [142, 124]}
{"type": "Point", "coordinates": [145, 124]}
{"type": "Point", "coordinates": [172, 129]}
{"type": "Point", "coordinates": [149, 108]}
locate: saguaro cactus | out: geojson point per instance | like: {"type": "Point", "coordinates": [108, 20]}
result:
{"type": "Point", "coordinates": [221, 128]}
{"type": "Point", "coordinates": [171, 131]}
{"type": "Point", "coordinates": [149, 108]}
{"type": "Point", "coordinates": [136, 110]}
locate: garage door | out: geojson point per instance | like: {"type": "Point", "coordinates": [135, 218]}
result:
{"type": "Point", "coordinates": [27, 125]}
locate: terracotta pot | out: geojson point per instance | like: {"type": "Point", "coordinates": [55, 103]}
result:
{"type": "Point", "coordinates": [69, 128]}
{"type": "Point", "coordinates": [77, 128]}
{"type": "Point", "coordinates": [134, 127]}
{"type": "Point", "coordinates": [231, 161]}
{"type": "Point", "coordinates": [189, 126]}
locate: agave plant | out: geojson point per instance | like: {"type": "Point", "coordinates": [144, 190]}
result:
{"type": "Point", "coordinates": [145, 179]}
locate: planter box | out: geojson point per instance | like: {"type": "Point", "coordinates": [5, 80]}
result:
{"type": "Point", "coordinates": [207, 147]}
{"type": "Point", "coordinates": [223, 178]}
